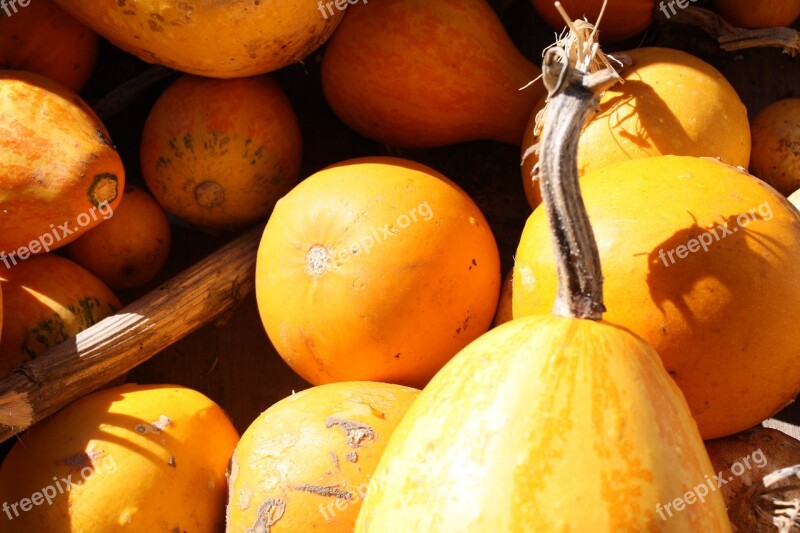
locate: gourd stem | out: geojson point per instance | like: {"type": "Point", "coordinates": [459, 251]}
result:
{"type": "Point", "coordinates": [572, 101]}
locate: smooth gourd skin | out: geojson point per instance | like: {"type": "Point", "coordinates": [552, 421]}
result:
{"type": "Point", "coordinates": [56, 167]}
{"type": "Point", "coordinates": [158, 454]}
{"type": "Point", "coordinates": [330, 436]}
{"type": "Point", "coordinates": [52, 299]}
{"type": "Point", "coordinates": [219, 153]}
{"type": "Point", "coordinates": [219, 39]}
{"type": "Point", "coordinates": [776, 145]}
{"type": "Point", "coordinates": [42, 38]}
{"type": "Point", "coordinates": [723, 320]}
{"type": "Point", "coordinates": [418, 73]}
{"type": "Point", "coordinates": [377, 269]}
{"type": "Point", "coordinates": [761, 14]}
{"type": "Point", "coordinates": [545, 424]}
{"type": "Point", "coordinates": [672, 103]}
{"type": "Point", "coordinates": [622, 18]}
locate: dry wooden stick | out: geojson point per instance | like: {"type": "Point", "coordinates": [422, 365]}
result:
{"type": "Point", "coordinates": [115, 345]}
{"type": "Point", "coordinates": [732, 38]}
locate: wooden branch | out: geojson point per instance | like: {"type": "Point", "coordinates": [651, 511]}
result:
{"type": "Point", "coordinates": [732, 38]}
{"type": "Point", "coordinates": [115, 345]}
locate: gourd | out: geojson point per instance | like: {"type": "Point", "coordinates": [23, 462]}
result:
{"type": "Point", "coordinates": [130, 248]}
{"type": "Point", "coordinates": [220, 39]}
{"type": "Point", "coordinates": [776, 145]}
{"type": "Point", "coordinates": [549, 423]}
{"type": "Point", "coordinates": [622, 19]}
{"type": "Point", "coordinates": [656, 112]}
{"type": "Point", "coordinates": [415, 87]}
{"type": "Point", "coordinates": [42, 38]}
{"type": "Point", "coordinates": [219, 153]}
{"type": "Point", "coordinates": [52, 299]}
{"type": "Point", "coordinates": [306, 462]}
{"type": "Point", "coordinates": [59, 171]}
{"type": "Point", "coordinates": [330, 260]}
{"type": "Point", "coordinates": [762, 14]}
{"type": "Point", "coordinates": [138, 457]}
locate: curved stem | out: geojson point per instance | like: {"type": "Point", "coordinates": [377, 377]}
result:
{"type": "Point", "coordinates": [572, 101]}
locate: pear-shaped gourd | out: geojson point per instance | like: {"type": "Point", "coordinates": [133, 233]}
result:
{"type": "Point", "coordinates": [551, 423]}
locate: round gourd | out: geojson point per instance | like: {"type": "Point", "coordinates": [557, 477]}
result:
{"type": "Point", "coordinates": [671, 103]}
{"type": "Point", "coordinates": [622, 18]}
{"type": "Point", "coordinates": [776, 145]}
{"type": "Point", "coordinates": [52, 299]}
{"type": "Point", "coordinates": [131, 247]}
{"type": "Point", "coordinates": [761, 14]}
{"type": "Point", "coordinates": [59, 171]}
{"type": "Point", "coordinates": [700, 259]}
{"type": "Point", "coordinates": [219, 153]}
{"type": "Point", "coordinates": [376, 269]}
{"type": "Point", "coordinates": [40, 37]}
{"type": "Point", "coordinates": [306, 462]}
{"type": "Point", "coordinates": [217, 39]}
{"type": "Point", "coordinates": [136, 457]}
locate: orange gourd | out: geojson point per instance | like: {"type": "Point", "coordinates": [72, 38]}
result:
{"type": "Point", "coordinates": [436, 73]}
{"type": "Point", "coordinates": [549, 423]}
{"type": "Point", "coordinates": [504, 310]}
{"type": "Point", "coordinates": [52, 299]}
{"type": "Point", "coordinates": [42, 38]}
{"type": "Point", "coordinates": [131, 247]}
{"type": "Point", "coordinates": [776, 145]}
{"type": "Point", "coordinates": [219, 153]}
{"type": "Point", "coordinates": [375, 269]}
{"type": "Point", "coordinates": [622, 18]}
{"type": "Point", "coordinates": [306, 462]}
{"type": "Point", "coordinates": [700, 259]}
{"type": "Point", "coordinates": [216, 39]}
{"type": "Point", "coordinates": [59, 172]}
{"type": "Point", "coordinates": [136, 457]}
{"type": "Point", "coordinates": [656, 111]}
{"type": "Point", "coordinates": [761, 14]}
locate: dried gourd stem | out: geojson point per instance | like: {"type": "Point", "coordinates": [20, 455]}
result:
{"type": "Point", "coordinates": [732, 38]}
{"type": "Point", "coordinates": [573, 98]}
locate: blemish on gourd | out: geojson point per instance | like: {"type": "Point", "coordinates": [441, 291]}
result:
{"type": "Point", "coordinates": [153, 427]}
{"type": "Point", "coordinates": [357, 433]}
{"type": "Point", "coordinates": [317, 260]}
{"type": "Point", "coordinates": [103, 189]}
{"type": "Point", "coordinates": [335, 459]}
{"type": "Point", "coordinates": [352, 457]}
{"type": "Point", "coordinates": [269, 512]}
{"type": "Point", "coordinates": [209, 194]}
{"type": "Point", "coordinates": [321, 490]}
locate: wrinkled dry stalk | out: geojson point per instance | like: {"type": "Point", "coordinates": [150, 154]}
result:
{"type": "Point", "coordinates": [732, 38]}
{"type": "Point", "coordinates": [573, 96]}
{"type": "Point", "coordinates": [785, 514]}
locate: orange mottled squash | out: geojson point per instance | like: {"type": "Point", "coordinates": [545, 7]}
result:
{"type": "Point", "coordinates": [220, 39]}
{"type": "Point", "coordinates": [375, 269]}
{"type": "Point", "coordinates": [776, 145]}
{"type": "Point", "coordinates": [436, 73]}
{"type": "Point", "coordinates": [219, 153]}
{"type": "Point", "coordinates": [52, 300]}
{"type": "Point", "coordinates": [59, 172]}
